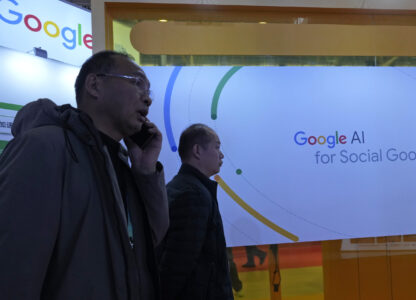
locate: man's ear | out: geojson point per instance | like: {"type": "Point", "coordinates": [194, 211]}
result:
{"type": "Point", "coordinates": [91, 85]}
{"type": "Point", "coordinates": [196, 151]}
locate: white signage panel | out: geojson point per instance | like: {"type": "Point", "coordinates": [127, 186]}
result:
{"type": "Point", "coordinates": [19, 85]}
{"type": "Point", "coordinates": [63, 30]}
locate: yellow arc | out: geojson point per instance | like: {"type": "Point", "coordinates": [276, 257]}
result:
{"type": "Point", "coordinates": [253, 212]}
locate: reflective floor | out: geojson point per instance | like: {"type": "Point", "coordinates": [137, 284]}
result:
{"type": "Point", "coordinates": [293, 272]}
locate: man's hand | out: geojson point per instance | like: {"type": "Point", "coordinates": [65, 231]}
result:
{"type": "Point", "coordinates": [144, 160]}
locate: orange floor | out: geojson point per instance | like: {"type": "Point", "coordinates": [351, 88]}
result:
{"type": "Point", "coordinates": [290, 256]}
{"type": "Point", "coordinates": [300, 267]}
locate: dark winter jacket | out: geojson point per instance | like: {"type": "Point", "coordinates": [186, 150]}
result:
{"type": "Point", "coordinates": [193, 260]}
{"type": "Point", "coordinates": [63, 227]}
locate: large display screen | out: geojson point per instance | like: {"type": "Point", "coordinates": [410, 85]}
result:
{"type": "Point", "coordinates": [311, 153]}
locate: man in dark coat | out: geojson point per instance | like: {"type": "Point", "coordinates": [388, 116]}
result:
{"type": "Point", "coordinates": [193, 259]}
{"type": "Point", "coordinates": [77, 221]}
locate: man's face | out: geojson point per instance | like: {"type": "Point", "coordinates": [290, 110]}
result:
{"type": "Point", "coordinates": [124, 104]}
{"type": "Point", "coordinates": [211, 156]}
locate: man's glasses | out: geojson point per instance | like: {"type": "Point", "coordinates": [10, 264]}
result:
{"type": "Point", "coordinates": [137, 80]}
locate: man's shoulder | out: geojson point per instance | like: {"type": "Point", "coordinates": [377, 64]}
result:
{"type": "Point", "coordinates": [47, 132]}
{"type": "Point", "coordinates": [45, 140]}
{"type": "Point", "coordinates": [40, 149]}
{"type": "Point", "coordinates": [51, 135]}
{"type": "Point", "coordinates": [188, 188]}
{"type": "Point", "coordinates": [185, 183]}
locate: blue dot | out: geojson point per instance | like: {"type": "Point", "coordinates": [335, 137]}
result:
{"type": "Point", "coordinates": [174, 148]}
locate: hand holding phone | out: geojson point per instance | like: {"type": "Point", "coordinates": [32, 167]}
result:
{"type": "Point", "coordinates": [143, 137]}
{"type": "Point", "coordinates": [144, 148]}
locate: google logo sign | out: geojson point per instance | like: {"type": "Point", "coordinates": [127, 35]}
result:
{"type": "Point", "coordinates": [301, 139]}
{"type": "Point", "coordinates": [72, 37]}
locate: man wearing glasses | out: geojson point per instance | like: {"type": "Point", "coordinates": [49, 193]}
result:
{"type": "Point", "coordinates": [77, 221]}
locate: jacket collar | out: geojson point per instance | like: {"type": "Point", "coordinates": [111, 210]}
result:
{"type": "Point", "coordinates": [115, 148]}
{"type": "Point", "coordinates": [211, 185]}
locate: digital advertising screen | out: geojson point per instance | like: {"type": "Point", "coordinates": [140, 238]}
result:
{"type": "Point", "coordinates": [311, 153]}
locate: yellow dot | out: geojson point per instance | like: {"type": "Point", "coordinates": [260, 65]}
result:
{"type": "Point", "coordinates": [262, 22]}
{"type": "Point", "coordinates": [163, 20]}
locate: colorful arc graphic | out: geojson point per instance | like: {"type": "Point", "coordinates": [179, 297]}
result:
{"type": "Point", "coordinates": [221, 182]}
{"type": "Point", "coordinates": [218, 90]}
{"type": "Point", "coordinates": [10, 106]}
{"type": "Point", "coordinates": [253, 212]}
{"type": "Point", "coordinates": [214, 115]}
{"type": "Point", "coordinates": [166, 108]}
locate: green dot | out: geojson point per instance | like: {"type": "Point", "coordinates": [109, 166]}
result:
{"type": "Point", "coordinates": [238, 171]}
{"type": "Point", "coordinates": [214, 116]}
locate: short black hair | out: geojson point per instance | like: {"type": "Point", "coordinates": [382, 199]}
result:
{"type": "Point", "coordinates": [197, 133]}
{"type": "Point", "coordinates": [101, 62]}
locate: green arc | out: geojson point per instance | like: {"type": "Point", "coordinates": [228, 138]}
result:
{"type": "Point", "coordinates": [218, 90]}
{"type": "Point", "coordinates": [10, 106]}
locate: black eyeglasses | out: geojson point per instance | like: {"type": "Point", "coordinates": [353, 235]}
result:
{"type": "Point", "coordinates": [137, 80]}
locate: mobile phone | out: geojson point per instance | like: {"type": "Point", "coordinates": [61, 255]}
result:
{"type": "Point", "coordinates": [143, 137]}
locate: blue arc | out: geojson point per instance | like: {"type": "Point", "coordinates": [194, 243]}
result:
{"type": "Point", "coordinates": [166, 108]}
